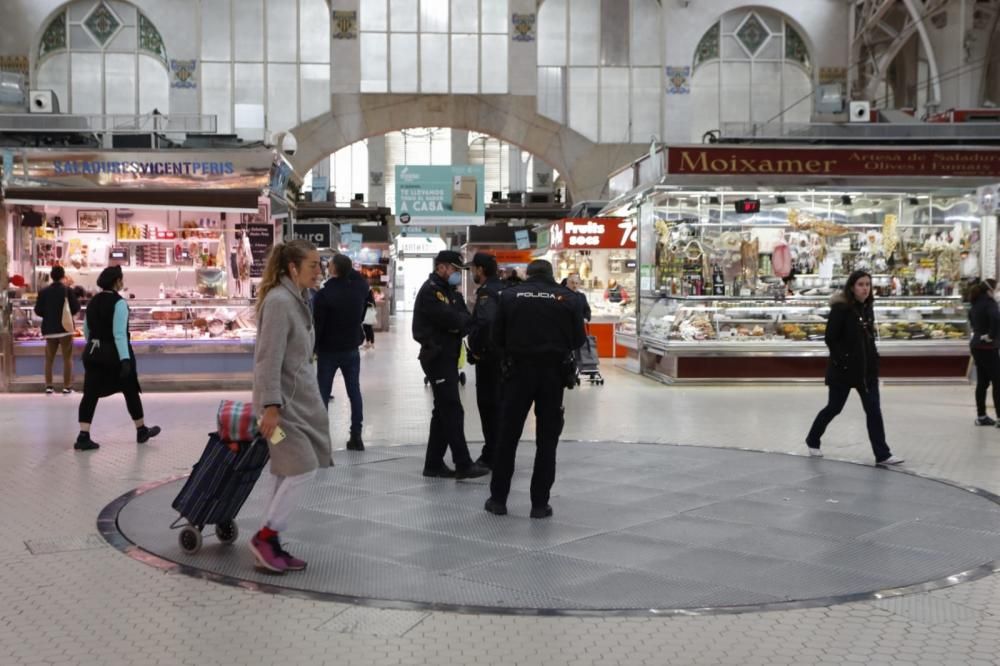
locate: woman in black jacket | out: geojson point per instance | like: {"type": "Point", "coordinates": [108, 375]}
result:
{"type": "Point", "coordinates": [984, 315]}
{"type": "Point", "coordinates": [850, 335]}
{"type": "Point", "coordinates": [108, 360]}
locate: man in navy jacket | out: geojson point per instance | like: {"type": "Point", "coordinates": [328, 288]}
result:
{"type": "Point", "coordinates": [339, 310]}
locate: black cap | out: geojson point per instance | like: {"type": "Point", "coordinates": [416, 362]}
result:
{"type": "Point", "coordinates": [449, 257]}
{"type": "Point", "coordinates": [483, 260]}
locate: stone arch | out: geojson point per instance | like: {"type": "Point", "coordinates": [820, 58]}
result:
{"type": "Point", "coordinates": [583, 164]}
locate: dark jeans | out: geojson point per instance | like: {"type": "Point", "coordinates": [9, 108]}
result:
{"type": "Point", "coordinates": [530, 382]}
{"type": "Point", "coordinates": [448, 417]}
{"type": "Point", "coordinates": [349, 363]}
{"type": "Point", "coordinates": [873, 412]}
{"type": "Point", "coordinates": [88, 405]}
{"type": "Point", "coordinates": [488, 400]}
{"type": "Point", "coordinates": [987, 372]}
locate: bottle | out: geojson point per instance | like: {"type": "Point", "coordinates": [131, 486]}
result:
{"type": "Point", "coordinates": [718, 281]}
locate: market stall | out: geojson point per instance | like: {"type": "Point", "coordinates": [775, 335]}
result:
{"type": "Point", "coordinates": [601, 252]}
{"type": "Point", "coordinates": [740, 249]}
{"type": "Point", "coordinates": [191, 232]}
{"type": "Point", "coordinates": [501, 241]}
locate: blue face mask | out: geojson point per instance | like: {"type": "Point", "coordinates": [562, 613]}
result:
{"type": "Point", "coordinates": [455, 279]}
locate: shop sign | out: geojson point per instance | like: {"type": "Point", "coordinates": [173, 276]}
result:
{"type": "Point", "coordinates": [511, 257]}
{"type": "Point", "coordinates": [441, 195]}
{"type": "Point", "coordinates": [730, 161]}
{"type": "Point", "coordinates": [261, 237]}
{"type": "Point", "coordinates": [317, 233]}
{"type": "Point", "coordinates": [523, 239]}
{"type": "Point", "coordinates": [245, 169]}
{"type": "Point", "coordinates": [593, 233]}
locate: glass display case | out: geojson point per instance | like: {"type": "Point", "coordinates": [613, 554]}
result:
{"type": "Point", "coordinates": [742, 338]}
{"type": "Point", "coordinates": [179, 343]}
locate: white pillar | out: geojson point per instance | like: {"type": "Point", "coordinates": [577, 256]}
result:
{"type": "Point", "coordinates": [459, 146]}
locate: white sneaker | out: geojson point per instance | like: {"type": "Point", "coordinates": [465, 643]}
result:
{"type": "Point", "coordinates": [815, 453]}
{"type": "Point", "coordinates": [891, 460]}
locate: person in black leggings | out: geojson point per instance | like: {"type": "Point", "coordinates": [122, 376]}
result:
{"type": "Point", "coordinates": [108, 361]}
{"type": "Point", "coordinates": [984, 315]}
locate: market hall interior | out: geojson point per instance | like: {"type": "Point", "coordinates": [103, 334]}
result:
{"type": "Point", "coordinates": [706, 175]}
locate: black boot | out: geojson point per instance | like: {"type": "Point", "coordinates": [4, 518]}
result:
{"type": "Point", "coordinates": [85, 443]}
{"type": "Point", "coordinates": [355, 443]}
{"type": "Point", "coordinates": [144, 433]}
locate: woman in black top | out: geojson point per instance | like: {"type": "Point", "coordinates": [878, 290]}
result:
{"type": "Point", "coordinates": [984, 315]}
{"type": "Point", "coordinates": [108, 360]}
{"type": "Point", "coordinates": [850, 335]}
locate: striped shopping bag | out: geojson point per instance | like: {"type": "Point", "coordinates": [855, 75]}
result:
{"type": "Point", "coordinates": [236, 421]}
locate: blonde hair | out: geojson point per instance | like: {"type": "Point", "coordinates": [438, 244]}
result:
{"type": "Point", "coordinates": [281, 254]}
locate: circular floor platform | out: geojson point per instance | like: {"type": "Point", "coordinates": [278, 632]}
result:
{"type": "Point", "coordinates": [638, 528]}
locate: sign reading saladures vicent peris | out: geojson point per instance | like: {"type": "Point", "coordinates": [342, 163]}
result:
{"type": "Point", "coordinates": [261, 240]}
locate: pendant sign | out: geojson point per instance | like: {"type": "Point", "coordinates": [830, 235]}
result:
{"type": "Point", "coordinates": [593, 233]}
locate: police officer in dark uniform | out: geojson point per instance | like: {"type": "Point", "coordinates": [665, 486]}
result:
{"type": "Point", "coordinates": [538, 325]}
{"type": "Point", "coordinates": [440, 321]}
{"type": "Point", "coordinates": [483, 353]}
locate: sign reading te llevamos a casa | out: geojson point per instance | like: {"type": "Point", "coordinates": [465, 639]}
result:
{"type": "Point", "coordinates": [441, 195]}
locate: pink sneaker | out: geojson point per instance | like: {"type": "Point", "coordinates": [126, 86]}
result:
{"type": "Point", "coordinates": [266, 552]}
{"type": "Point", "coordinates": [291, 563]}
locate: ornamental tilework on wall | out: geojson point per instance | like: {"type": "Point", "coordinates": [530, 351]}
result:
{"type": "Point", "coordinates": [344, 24]}
{"type": "Point", "coordinates": [102, 24]}
{"type": "Point", "coordinates": [150, 39]}
{"type": "Point", "coordinates": [183, 73]}
{"type": "Point", "coordinates": [524, 27]}
{"type": "Point", "coordinates": [678, 80]}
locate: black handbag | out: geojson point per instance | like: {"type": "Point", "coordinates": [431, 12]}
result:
{"type": "Point", "coordinates": [100, 355]}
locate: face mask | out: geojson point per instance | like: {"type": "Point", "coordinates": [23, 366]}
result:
{"type": "Point", "coordinates": [455, 279]}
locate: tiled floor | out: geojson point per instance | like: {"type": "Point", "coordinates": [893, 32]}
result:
{"type": "Point", "coordinates": [65, 597]}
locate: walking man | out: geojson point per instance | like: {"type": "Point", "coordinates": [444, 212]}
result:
{"type": "Point", "coordinates": [338, 310]}
{"type": "Point", "coordinates": [538, 325]}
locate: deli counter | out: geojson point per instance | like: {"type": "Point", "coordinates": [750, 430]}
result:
{"type": "Point", "coordinates": [713, 338]}
{"type": "Point", "coordinates": [179, 343]}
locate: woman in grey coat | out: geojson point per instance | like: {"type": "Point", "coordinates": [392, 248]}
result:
{"type": "Point", "coordinates": [285, 392]}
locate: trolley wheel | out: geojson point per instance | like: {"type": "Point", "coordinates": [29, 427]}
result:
{"type": "Point", "coordinates": [190, 539]}
{"type": "Point", "coordinates": [461, 378]}
{"type": "Point", "coordinates": [227, 531]}
{"type": "Point", "coordinates": [601, 383]}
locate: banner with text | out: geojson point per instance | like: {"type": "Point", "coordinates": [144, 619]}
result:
{"type": "Point", "coordinates": [441, 195]}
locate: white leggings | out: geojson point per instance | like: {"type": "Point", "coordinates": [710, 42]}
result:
{"type": "Point", "coordinates": [284, 499]}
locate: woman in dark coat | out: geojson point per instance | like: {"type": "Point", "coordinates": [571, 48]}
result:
{"type": "Point", "coordinates": [108, 360]}
{"type": "Point", "coordinates": [850, 335]}
{"type": "Point", "coordinates": [984, 315]}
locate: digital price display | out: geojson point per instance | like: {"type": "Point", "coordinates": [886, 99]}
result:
{"type": "Point", "coordinates": [748, 206]}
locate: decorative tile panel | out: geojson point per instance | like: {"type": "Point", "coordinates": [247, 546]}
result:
{"type": "Point", "coordinates": [18, 64]}
{"type": "Point", "coordinates": [678, 80]}
{"type": "Point", "coordinates": [752, 34]}
{"type": "Point", "coordinates": [102, 24]}
{"type": "Point", "coordinates": [54, 37]}
{"type": "Point", "coordinates": [524, 27]}
{"type": "Point", "coordinates": [183, 73]}
{"type": "Point", "coordinates": [150, 39]}
{"type": "Point", "coordinates": [345, 24]}
{"type": "Point", "coordinates": [708, 47]}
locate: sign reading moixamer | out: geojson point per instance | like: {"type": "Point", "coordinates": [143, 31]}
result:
{"type": "Point", "coordinates": [730, 161]}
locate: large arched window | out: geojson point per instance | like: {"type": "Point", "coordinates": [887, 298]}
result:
{"type": "Point", "coordinates": [752, 66]}
{"type": "Point", "coordinates": [434, 46]}
{"type": "Point", "coordinates": [599, 67]}
{"type": "Point", "coordinates": [103, 57]}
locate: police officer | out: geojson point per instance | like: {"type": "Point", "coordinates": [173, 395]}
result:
{"type": "Point", "coordinates": [483, 353]}
{"type": "Point", "coordinates": [538, 325]}
{"type": "Point", "coordinates": [440, 320]}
